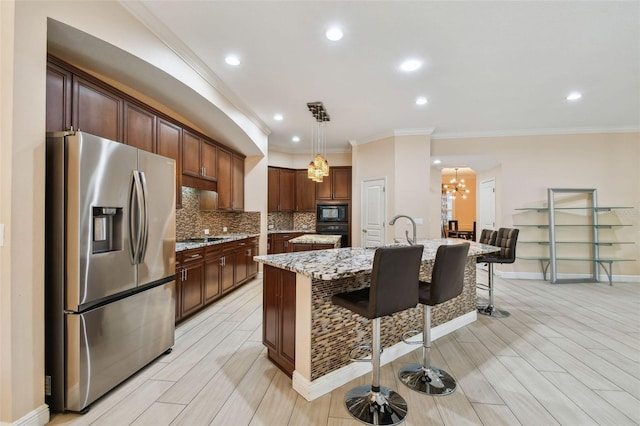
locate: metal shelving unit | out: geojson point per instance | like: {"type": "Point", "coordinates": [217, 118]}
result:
{"type": "Point", "coordinates": [593, 243]}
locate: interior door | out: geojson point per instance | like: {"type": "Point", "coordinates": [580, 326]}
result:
{"type": "Point", "coordinates": [487, 205]}
{"type": "Point", "coordinates": [373, 213]}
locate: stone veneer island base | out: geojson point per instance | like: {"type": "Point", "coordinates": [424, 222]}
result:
{"type": "Point", "coordinates": [310, 338]}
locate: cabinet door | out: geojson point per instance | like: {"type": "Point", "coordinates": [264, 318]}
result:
{"type": "Point", "coordinates": [168, 144]}
{"type": "Point", "coordinates": [228, 269]}
{"type": "Point", "coordinates": [323, 189]}
{"type": "Point", "coordinates": [178, 293]}
{"type": "Point", "coordinates": [341, 183]}
{"type": "Point", "coordinates": [305, 192]}
{"type": "Point", "coordinates": [212, 280]}
{"type": "Point", "coordinates": [271, 307]}
{"type": "Point", "coordinates": [139, 128]}
{"type": "Point", "coordinates": [317, 246]}
{"type": "Point", "coordinates": [96, 110]}
{"type": "Point", "coordinates": [287, 190]}
{"type": "Point", "coordinates": [190, 154]}
{"type": "Point", "coordinates": [224, 180]}
{"type": "Point", "coordinates": [209, 160]}
{"type": "Point", "coordinates": [252, 265]}
{"type": "Point", "coordinates": [273, 189]}
{"type": "Point", "coordinates": [192, 294]}
{"type": "Point", "coordinates": [240, 262]}
{"type": "Point", "coordinates": [288, 317]}
{"type": "Point", "coordinates": [237, 185]}
{"type": "Point", "coordinates": [58, 115]}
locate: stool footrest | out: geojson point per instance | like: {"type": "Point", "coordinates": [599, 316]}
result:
{"type": "Point", "coordinates": [408, 335]}
{"type": "Point", "coordinates": [429, 380]}
{"type": "Point", "coordinates": [361, 347]}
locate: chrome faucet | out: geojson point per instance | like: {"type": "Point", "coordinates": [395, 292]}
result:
{"type": "Point", "coordinates": [406, 233]}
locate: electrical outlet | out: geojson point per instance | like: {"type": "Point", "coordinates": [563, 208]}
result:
{"type": "Point", "coordinates": [206, 232]}
{"type": "Point", "coordinates": [270, 226]}
{"type": "Point", "coordinates": [304, 226]}
{"type": "Point", "coordinates": [224, 229]}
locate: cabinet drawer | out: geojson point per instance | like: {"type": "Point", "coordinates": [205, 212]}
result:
{"type": "Point", "coordinates": [213, 250]}
{"type": "Point", "coordinates": [192, 255]}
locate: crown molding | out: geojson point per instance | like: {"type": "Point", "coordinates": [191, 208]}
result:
{"type": "Point", "coordinates": [393, 133]}
{"type": "Point", "coordinates": [193, 61]}
{"type": "Point", "coordinates": [537, 132]}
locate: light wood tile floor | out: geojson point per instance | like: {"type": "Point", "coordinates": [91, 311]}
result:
{"type": "Point", "coordinates": [569, 354]}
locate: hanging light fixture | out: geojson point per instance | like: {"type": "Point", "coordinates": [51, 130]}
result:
{"type": "Point", "coordinates": [455, 187]}
{"type": "Point", "coordinates": [319, 166]}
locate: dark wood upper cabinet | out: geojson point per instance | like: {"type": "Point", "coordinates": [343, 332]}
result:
{"type": "Point", "coordinates": [305, 192]}
{"type": "Point", "coordinates": [190, 154]}
{"type": "Point", "coordinates": [168, 144]}
{"type": "Point", "coordinates": [97, 110]}
{"type": "Point", "coordinates": [58, 99]}
{"type": "Point", "coordinates": [225, 196]}
{"type": "Point", "coordinates": [237, 188]}
{"type": "Point", "coordinates": [336, 186]}
{"type": "Point", "coordinates": [199, 157]}
{"type": "Point", "coordinates": [281, 190]}
{"type": "Point", "coordinates": [139, 127]}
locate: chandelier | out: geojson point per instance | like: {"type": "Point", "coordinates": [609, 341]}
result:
{"type": "Point", "coordinates": [319, 166]}
{"type": "Point", "coordinates": [455, 187]}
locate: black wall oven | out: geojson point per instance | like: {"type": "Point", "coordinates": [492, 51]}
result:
{"type": "Point", "coordinates": [341, 229]}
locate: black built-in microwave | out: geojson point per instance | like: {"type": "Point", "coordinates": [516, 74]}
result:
{"type": "Point", "coordinates": [332, 213]}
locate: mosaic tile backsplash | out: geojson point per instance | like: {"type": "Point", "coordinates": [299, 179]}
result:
{"type": "Point", "coordinates": [291, 221]}
{"type": "Point", "coordinates": [191, 222]}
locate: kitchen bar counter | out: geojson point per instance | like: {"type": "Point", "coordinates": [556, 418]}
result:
{"type": "Point", "coordinates": [333, 240]}
{"type": "Point", "coordinates": [310, 338]}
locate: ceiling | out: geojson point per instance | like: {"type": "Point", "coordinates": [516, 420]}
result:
{"type": "Point", "coordinates": [488, 68]}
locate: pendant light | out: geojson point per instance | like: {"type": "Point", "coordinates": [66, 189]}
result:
{"type": "Point", "coordinates": [319, 166]}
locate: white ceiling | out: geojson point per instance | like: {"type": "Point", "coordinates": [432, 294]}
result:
{"type": "Point", "coordinates": [490, 68]}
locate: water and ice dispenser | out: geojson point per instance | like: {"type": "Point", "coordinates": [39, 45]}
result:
{"type": "Point", "coordinates": [107, 229]}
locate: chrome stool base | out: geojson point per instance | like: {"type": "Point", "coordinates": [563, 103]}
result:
{"type": "Point", "coordinates": [430, 381]}
{"type": "Point", "coordinates": [491, 311]}
{"type": "Point", "coordinates": [385, 407]}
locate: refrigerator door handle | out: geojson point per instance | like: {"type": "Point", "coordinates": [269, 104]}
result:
{"type": "Point", "coordinates": [145, 216]}
{"type": "Point", "coordinates": [136, 218]}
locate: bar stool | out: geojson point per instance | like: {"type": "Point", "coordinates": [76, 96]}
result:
{"type": "Point", "coordinates": [394, 288]}
{"type": "Point", "coordinates": [506, 239]}
{"type": "Point", "coordinates": [447, 280]}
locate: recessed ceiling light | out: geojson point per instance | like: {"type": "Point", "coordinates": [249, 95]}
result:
{"type": "Point", "coordinates": [278, 117]}
{"type": "Point", "coordinates": [232, 60]}
{"type": "Point", "coordinates": [410, 65]}
{"type": "Point", "coordinates": [296, 138]}
{"type": "Point", "coordinates": [334, 34]}
{"type": "Point", "coordinates": [574, 96]}
{"type": "Point", "coordinates": [437, 161]}
{"type": "Point", "coordinates": [421, 100]}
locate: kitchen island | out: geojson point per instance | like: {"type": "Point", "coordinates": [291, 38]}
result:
{"type": "Point", "coordinates": [310, 338]}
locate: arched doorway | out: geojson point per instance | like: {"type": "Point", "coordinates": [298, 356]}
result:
{"type": "Point", "coordinates": [459, 192]}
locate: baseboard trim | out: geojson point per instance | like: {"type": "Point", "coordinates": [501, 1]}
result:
{"type": "Point", "coordinates": [37, 417]}
{"type": "Point", "coordinates": [311, 390]}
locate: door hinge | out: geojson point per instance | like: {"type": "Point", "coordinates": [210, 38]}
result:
{"type": "Point", "coordinates": [47, 385]}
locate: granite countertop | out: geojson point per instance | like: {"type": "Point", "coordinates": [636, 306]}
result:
{"type": "Point", "coordinates": [339, 263]}
{"type": "Point", "coordinates": [285, 231]}
{"type": "Point", "coordinates": [316, 239]}
{"type": "Point", "coordinates": [217, 239]}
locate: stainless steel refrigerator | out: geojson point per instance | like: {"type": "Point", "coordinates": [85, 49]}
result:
{"type": "Point", "coordinates": [110, 265]}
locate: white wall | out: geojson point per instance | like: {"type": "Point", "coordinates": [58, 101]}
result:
{"type": "Point", "coordinates": [528, 165]}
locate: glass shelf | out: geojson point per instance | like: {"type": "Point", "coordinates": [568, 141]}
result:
{"type": "Point", "coordinates": [599, 243]}
{"type": "Point", "coordinates": [573, 225]}
{"type": "Point", "coordinates": [598, 209]}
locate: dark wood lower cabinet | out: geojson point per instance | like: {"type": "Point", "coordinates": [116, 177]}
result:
{"type": "Point", "coordinates": [203, 275]}
{"type": "Point", "coordinates": [279, 317]}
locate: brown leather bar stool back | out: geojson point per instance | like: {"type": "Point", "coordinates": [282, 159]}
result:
{"type": "Point", "coordinates": [394, 288]}
{"type": "Point", "coordinates": [447, 281]}
{"type": "Point", "coordinates": [506, 239]}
